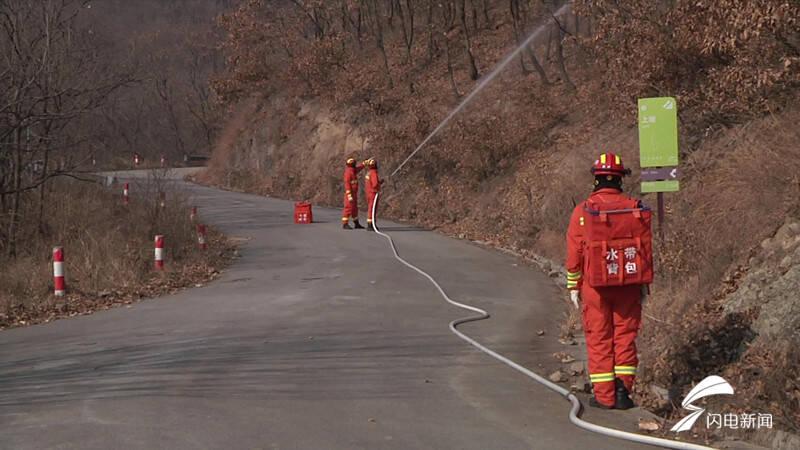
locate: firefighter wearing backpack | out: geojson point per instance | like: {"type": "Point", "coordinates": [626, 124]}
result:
{"type": "Point", "coordinates": [372, 184]}
{"type": "Point", "coordinates": [350, 210]}
{"type": "Point", "coordinates": [609, 268]}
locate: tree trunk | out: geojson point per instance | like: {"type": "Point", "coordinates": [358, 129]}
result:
{"type": "Point", "coordinates": [536, 66]}
{"type": "Point", "coordinates": [379, 42]}
{"type": "Point", "coordinates": [474, 11]}
{"type": "Point", "coordinates": [431, 40]}
{"type": "Point", "coordinates": [581, 54]}
{"type": "Point", "coordinates": [550, 38]}
{"type": "Point", "coordinates": [16, 195]}
{"type": "Point", "coordinates": [562, 66]}
{"type": "Point", "coordinates": [450, 68]}
{"type": "Point", "coordinates": [518, 23]}
{"type": "Point", "coordinates": [407, 24]}
{"type": "Point", "coordinates": [42, 191]}
{"type": "Point", "coordinates": [473, 67]}
{"type": "Point", "coordinates": [522, 65]}
{"type": "Point", "coordinates": [359, 28]}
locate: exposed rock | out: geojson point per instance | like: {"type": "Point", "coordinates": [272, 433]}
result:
{"type": "Point", "coordinates": [778, 440]}
{"type": "Point", "coordinates": [649, 425]}
{"type": "Point", "coordinates": [557, 377]}
{"type": "Point", "coordinates": [576, 368]}
{"type": "Point", "coordinates": [564, 358]}
{"type": "Point", "coordinates": [771, 289]}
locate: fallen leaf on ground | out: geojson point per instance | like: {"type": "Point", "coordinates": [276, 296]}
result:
{"type": "Point", "coordinates": [649, 425]}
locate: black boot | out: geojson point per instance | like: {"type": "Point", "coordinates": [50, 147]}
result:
{"type": "Point", "coordinates": [357, 225]}
{"type": "Point", "coordinates": [346, 226]}
{"type": "Point", "coordinates": [595, 404]}
{"type": "Point", "coordinates": [623, 400]}
{"type": "Point", "coordinates": [370, 227]}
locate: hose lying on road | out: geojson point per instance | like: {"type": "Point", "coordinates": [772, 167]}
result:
{"type": "Point", "coordinates": [576, 404]}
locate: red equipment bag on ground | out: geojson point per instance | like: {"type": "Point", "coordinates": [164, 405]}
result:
{"type": "Point", "coordinates": [619, 244]}
{"type": "Point", "coordinates": [302, 213]}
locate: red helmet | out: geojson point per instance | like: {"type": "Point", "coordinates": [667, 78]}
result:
{"type": "Point", "coordinates": [609, 164]}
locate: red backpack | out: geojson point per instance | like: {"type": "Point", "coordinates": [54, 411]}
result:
{"type": "Point", "coordinates": [618, 243]}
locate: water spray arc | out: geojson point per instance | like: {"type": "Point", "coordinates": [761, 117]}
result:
{"type": "Point", "coordinates": [481, 314]}
{"type": "Point", "coordinates": [480, 86]}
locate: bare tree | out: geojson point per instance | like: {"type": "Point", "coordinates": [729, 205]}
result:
{"type": "Point", "coordinates": [376, 16]}
{"type": "Point", "coordinates": [473, 67]}
{"type": "Point", "coordinates": [518, 21]}
{"type": "Point", "coordinates": [407, 24]}
{"type": "Point", "coordinates": [562, 66]}
{"type": "Point", "coordinates": [53, 76]}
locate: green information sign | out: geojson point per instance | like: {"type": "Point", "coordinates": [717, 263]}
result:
{"type": "Point", "coordinates": [658, 132]}
{"type": "Point", "coordinates": [660, 186]}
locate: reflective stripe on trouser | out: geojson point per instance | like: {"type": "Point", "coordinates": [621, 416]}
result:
{"type": "Point", "coordinates": [601, 377]}
{"type": "Point", "coordinates": [627, 374]}
{"type": "Point", "coordinates": [611, 318]}
{"type": "Point", "coordinates": [625, 370]}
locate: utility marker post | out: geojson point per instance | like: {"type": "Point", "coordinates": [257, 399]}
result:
{"type": "Point", "coordinates": [658, 149]}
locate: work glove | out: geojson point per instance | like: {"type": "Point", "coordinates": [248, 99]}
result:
{"type": "Point", "coordinates": [575, 298]}
{"type": "Point", "coordinates": [350, 197]}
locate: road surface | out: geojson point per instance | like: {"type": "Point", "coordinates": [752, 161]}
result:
{"type": "Point", "coordinates": [316, 338]}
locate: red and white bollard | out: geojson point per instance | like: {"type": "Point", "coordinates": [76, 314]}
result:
{"type": "Point", "coordinates": [58, 272]}
{"type": "Point", "coordinates": [159, 253]}
{"type": "Point", "coordinates": [163, 161]}
{"type": "Point", "coordinates": [136, 159]}
{"type": "Point", "coordinates": [201, 236]}
{"type": "Point", "coordinates": [193, 214]}
{"type": "Point", "coordinates": [125, 192]}
{"type": "Point", "coordinates": [162, 199]}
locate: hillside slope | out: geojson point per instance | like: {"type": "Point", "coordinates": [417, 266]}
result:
{"type": "Point", "coordinates": [508, 170]}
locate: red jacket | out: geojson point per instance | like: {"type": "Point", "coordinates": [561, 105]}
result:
{"type": "Point", "coordinates": [373, 182]}
{"type": "Point", "coordinates": [351, 180]}
{"type": "Point", "coordinates": [575, 241]}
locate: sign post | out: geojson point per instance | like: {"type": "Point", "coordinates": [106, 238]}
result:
{"type": "Point", "coordinates": [658, 149]}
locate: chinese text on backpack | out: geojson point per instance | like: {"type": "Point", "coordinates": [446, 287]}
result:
{"type": "Point", "coordinates": [619, 244]}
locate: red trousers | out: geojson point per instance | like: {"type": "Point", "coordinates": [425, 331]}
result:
{"type": "Point", "coordinates": [350, 209]}
{"type": "Point", "coordinates": [611, 320]}
{"type": "Point", "coordinates": [370, 201]}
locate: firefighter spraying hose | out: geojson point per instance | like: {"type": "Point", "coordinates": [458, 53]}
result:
{"type": "Point", "coordinates": [481, 314]}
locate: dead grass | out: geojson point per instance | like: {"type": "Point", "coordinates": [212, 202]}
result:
{"type": "Point", "coordinates": [741, 186]}
{"type": "Point", "coordinates": [108, 250]}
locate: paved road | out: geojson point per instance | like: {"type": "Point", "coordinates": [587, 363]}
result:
{"type": "Point", "coordinates": [315, 339]}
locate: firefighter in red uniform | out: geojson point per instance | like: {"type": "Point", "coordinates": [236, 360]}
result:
{"type": "Point", "coordinates": [611, 315]}
{"type": "Point", "coordinates": [351, 171]}
{"type": "Point", "coordinates": [373, 186]}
